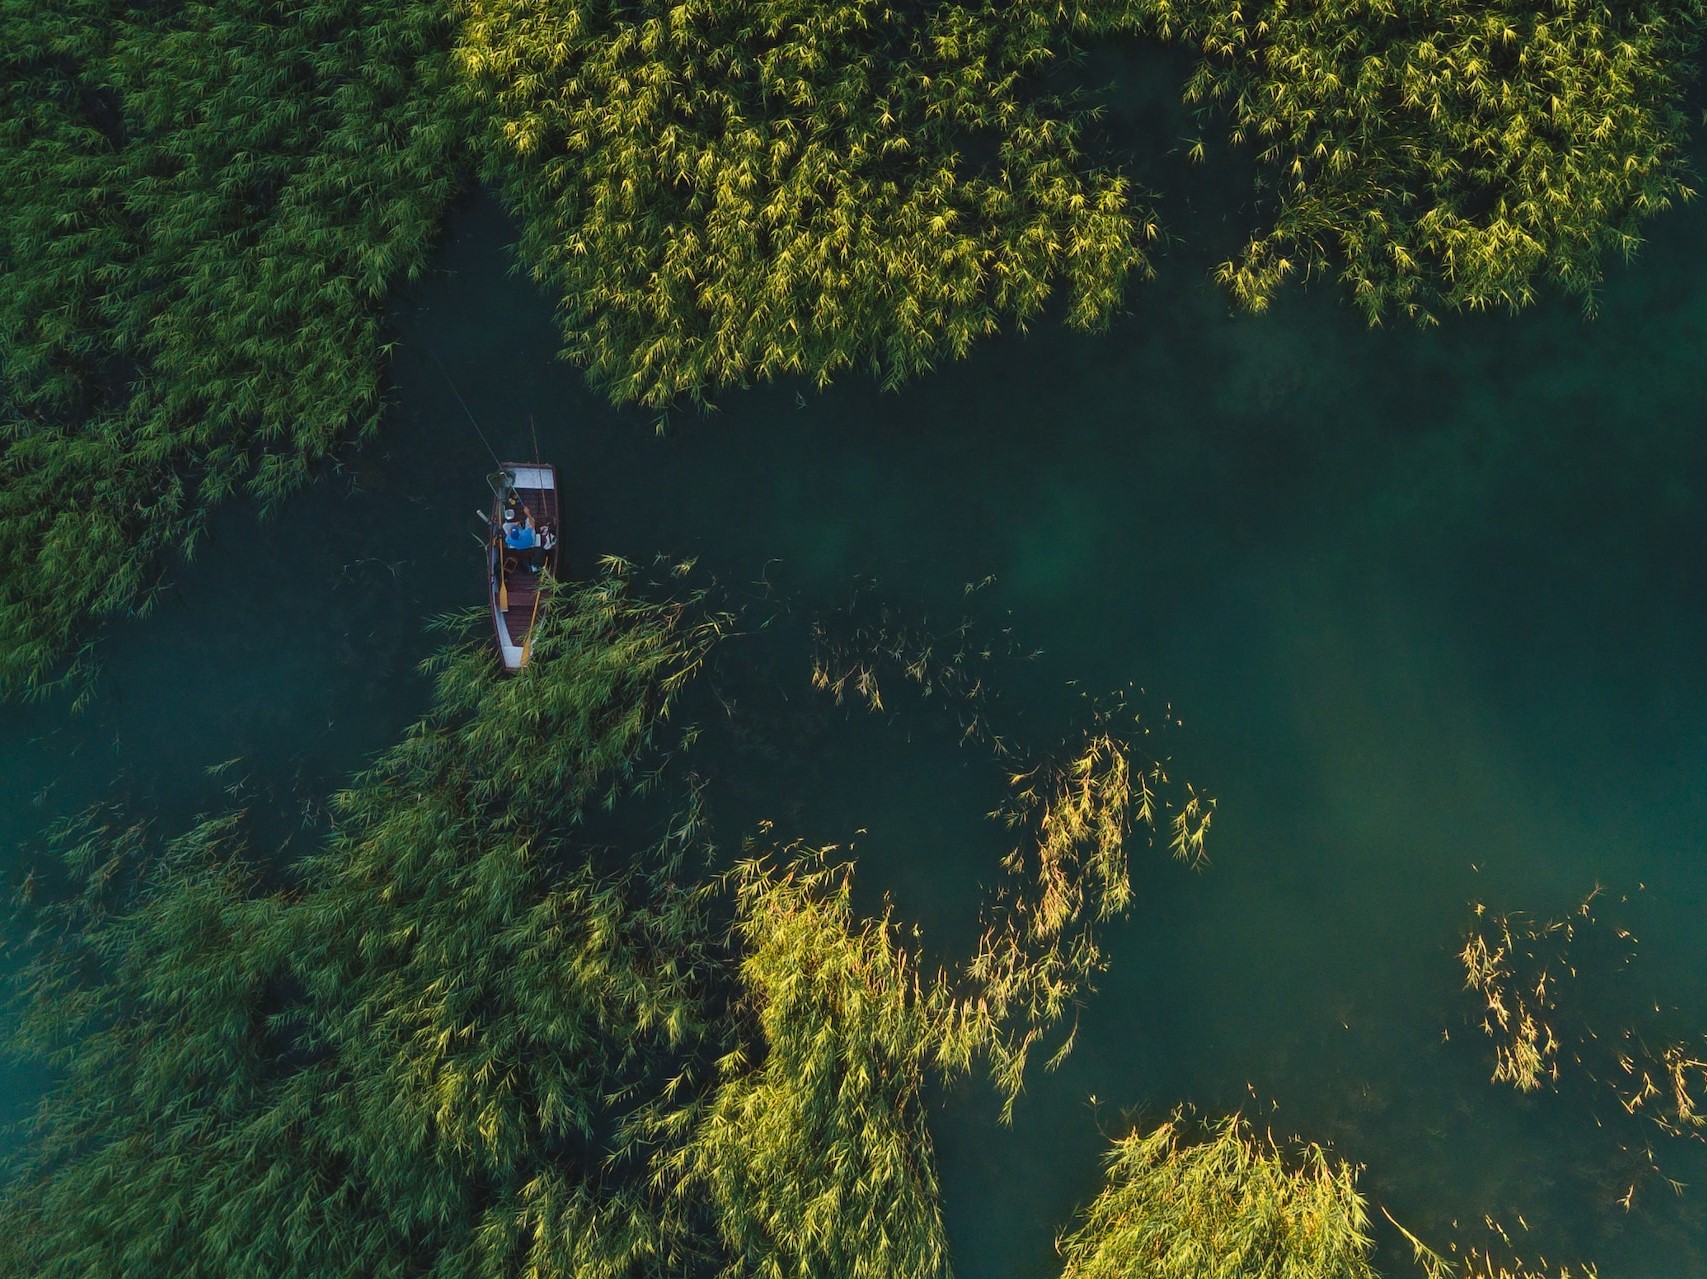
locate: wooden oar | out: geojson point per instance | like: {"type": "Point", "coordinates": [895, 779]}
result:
{"type": "Point", "coordinates": [527, 640]}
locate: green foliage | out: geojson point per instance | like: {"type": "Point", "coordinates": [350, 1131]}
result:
{"type": "Point", "coordinates": [201, 207]}
{"type": "Point", "coordinates": [723, 192]}
{"type": "Point", "coordinates": [203, 204]}
{"type": "Point", "coordinates": [1225, 1206]}
{"type": "Point", "coordinates": [812, 1151]}
{"type": "Point", "coordinates": [1445, 153]}
{"type": "Point", "coordinates": [401, 1064]}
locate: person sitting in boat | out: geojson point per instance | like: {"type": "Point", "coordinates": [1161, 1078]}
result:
{"type": "Point", "coordinates": [520, 537]}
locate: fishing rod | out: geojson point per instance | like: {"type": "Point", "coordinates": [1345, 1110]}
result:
{"type": "Point", "coordinates": [494, 539]}
{"type": "Point", "coordinates": [507, 479]}
{"type": "Point", "coordinates": [501, 474]}
{"type": "Point", "coordinates": [472, 421]}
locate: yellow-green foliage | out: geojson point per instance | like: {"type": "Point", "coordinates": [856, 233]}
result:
{"type": "Point", "coordinates": [1478, 1263]}
{"type": "Point", "coordinates": [1445, 153]}
{"type": "Point", "coordinates": [727, 191]}
{"type": "Point", "coordinates": [813, 1152]}
{"type": "Point", "coordinates": [201, 207]}
{"type": "Point", "coordinates": [399, 1065]}
{"type": "Point", "coordinates": [1070, 870]}
{"type": "Point", "coordinates": [1223, 1204]}
{"type": "Point", "coordinates": [203, 204]}
{"type": "Point", "coordinates": [1038, 954]}
{"type": "Point", "coordinates": [1516, 1012]}
{"type": "Point", "coordinates": [1521, 967]}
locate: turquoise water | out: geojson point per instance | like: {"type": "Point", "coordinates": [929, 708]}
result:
{"type": "Point", "coordinates": [1429, 606]}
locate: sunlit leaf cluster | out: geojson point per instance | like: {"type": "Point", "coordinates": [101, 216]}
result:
{"type": "Point", "coordinates": [725, 192]}
{"type": "Point", "coordinates": [1076, 814]}
{"type": "Point", "coordinates": [202, 206]}
{"type": "Point", "coordinates": [1194, 1200]}
{"type": "Point", "coordinates": [812, 1152]}
{"type": "Point", "coordinates": [1526, 971]}
{"type": "Point", "coordinates": [1444, 153]}
{"type": "Point", "coordinates": [1517, 1008]}
{"type": "Point", "coordinates": [1219, 1204]}
{"type": "Point", "coordinates": [1069, 873]}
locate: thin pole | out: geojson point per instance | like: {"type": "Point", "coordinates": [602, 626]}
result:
{"type": "Point", "coordinates": [471, 420]}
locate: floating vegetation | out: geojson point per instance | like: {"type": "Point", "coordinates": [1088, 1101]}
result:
{"type": "Point", "coordinates": [1480, 1263]}
{"type": "Point", "coordinates": [201, 208]}
{"type": "Point", "coordinates": [1222, 1203]}
{"type": "Point", "coordinates": [852, 656]}
{"type": "Point", "coordinates": [1038, 952]}
{"type": "Point", "coordinates": [1446, 155]}
{"type": "Point", "coordinates": [1520, 966]}
{"type": "Point", "coordinates": [727, 192]}
{"type": "Point", "coordinates": [1525, 1051]}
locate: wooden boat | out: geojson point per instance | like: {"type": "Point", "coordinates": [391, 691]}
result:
{"type": "Point", "coordinates": [524, 495]}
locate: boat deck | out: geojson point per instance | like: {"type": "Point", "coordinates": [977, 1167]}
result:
{"type": "Point", "coordinates": [523, 585]}
{"type": "Point", "coordinates": [536, 487]}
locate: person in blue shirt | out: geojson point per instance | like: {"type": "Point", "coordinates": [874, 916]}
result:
{"type": "Point", "coordinates": [520, 537]}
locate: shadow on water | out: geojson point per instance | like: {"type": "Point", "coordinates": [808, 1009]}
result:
{"type": "Point", "coordinates": [1430, 605]}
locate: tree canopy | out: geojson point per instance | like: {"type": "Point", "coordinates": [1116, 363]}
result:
{"type": "Point", "coordinates": [201, 208]}
{"type": "Point", "coordinates": [1444, 154]}
{"type": "Point", "coordinates": [724, 192]}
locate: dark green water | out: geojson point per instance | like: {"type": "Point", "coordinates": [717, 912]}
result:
{"type": "Point", "coordinates": [1430, 605]}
